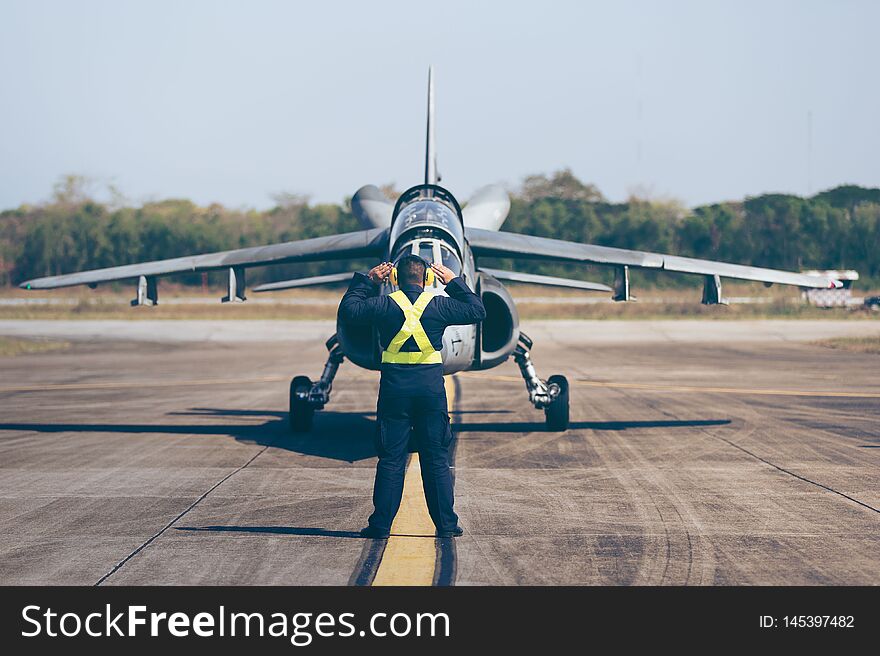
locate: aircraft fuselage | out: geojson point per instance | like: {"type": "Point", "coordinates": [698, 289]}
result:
{"type": "Point", "coordinates": [427, 222]}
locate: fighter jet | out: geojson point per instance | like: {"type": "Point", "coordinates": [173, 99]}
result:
{"type": "Point", "coordinates": [428, 221]}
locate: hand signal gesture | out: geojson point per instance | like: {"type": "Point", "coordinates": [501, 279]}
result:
{"type": "Point", "coordinates": [444, 274]}
{"type": "Point", "coordinates": [379, 273]}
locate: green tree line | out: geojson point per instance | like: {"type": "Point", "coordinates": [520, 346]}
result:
{"type": "Point", "coordinates": [835, 229]}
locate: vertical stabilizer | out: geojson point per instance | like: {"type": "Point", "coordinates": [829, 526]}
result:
{"type": "Point", "coordinates": [430, 152]}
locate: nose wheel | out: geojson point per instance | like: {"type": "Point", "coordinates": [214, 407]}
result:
{"type": "Point", "coordinates": [302, 413]}
{"type": "Point", "coordinates": [556, 413]}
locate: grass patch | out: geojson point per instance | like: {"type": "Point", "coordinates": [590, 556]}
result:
{"type": "Point", "coordinates": [122, 312]}
{"type": "Point", "coordinates": [10, 346]}
{"type": "Point", "coordinates": [104, 310]}
{"type": "Point", "coordinates": [190, 304]}
{"type": "Point", "coordinates": [855, 344]}
{"type": "Point", "coordinates": [674, 309]}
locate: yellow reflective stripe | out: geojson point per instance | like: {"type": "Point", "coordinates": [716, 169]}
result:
{"type": "Point", "coordinates": [412, 357]}
{"type": "Point", "coordinates": [418, 332]}
{"type": "Point", "coordinates": [412, 327]}
{"type": "Point", "coordinates": [400, 338]}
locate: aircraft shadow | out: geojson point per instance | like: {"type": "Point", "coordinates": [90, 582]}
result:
{"type": "Point", "coordinates": [278, 530]}
{"type": "Point", "coordinates": [343, 436]}
{"type": "Point", "coordinates": [221, 412]}
{"type": "Point", "coordinates": [540, 426]}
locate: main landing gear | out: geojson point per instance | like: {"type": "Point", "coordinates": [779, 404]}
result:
{"type": "Point", "coordinates": [306, 396]}
{"type": "Point", "coordinates": [551, 395]}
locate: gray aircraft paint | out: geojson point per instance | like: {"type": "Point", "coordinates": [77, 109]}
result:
{"type": "Point", "coordinates": [549, 281]}
{"type": "Point", "coordinates": [349, 245]}
{"type": "Point", "coordinates": [487, 208]}
{"type": "Point", "coordinates": [311, 281]}
{"type": "Point", "coordinates": [371, 207]}
{"type": "Point", "coordinates": [431, 176]}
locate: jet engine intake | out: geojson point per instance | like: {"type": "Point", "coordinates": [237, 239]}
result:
{"type": "Point", "coordinates": [499, 332]}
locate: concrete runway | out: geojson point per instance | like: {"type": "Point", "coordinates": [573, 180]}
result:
{"type": "Point", "coordinates": [700, 452]}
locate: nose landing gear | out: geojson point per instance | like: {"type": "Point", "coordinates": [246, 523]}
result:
{"type": "Point", "coordinates": [306, 396]}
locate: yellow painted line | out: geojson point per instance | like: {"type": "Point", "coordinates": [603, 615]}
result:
{"type": "Point", "coordinates": [410, 553]}
{"type": "Point", "coordinates": [59, 387]}
{"type": "Point", "coordinates": [696, 388]}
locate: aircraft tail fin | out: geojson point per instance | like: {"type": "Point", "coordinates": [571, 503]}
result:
{"type": "Point", "coordinates": [431, 176]}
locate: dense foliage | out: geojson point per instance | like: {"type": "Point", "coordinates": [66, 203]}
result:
{"type": "Point", "coordinates": [839, 228]}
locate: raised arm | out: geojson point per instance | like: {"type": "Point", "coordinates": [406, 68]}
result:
{"type": "Point", "coordinates": [361, 302]}
{"type": "Point", "coordinates": [463, 306]}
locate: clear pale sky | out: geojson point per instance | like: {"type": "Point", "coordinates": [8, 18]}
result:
{"type": "Point", "coordinates": [234, 101]}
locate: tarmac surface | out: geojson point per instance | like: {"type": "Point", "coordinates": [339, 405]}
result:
{"type": "Point", "coordinates": [700, 452]}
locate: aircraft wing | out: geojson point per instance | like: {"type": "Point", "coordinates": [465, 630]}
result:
{"type": "Point", "coordinates": [551, 281]}
{"type": "Point", "coordinates": [303, 282]}
{"type": "Point", "coordinates": [363, 243]}
{"type": "Point", "coordinates": [508, 244]}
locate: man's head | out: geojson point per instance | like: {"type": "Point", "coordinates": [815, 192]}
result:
{"type": "Point", "coordinates": [411, 270]}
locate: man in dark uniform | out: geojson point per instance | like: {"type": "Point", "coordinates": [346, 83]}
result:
{"type": "Point", "coordinates": [412, 396]}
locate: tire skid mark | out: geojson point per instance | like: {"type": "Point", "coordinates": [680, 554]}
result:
{"type": "Point", "coordinates": [828, 437]}
{"type": "Point", "coordinates": [660, 490]}
{"type": "Point", "coordinates": [649, 571]}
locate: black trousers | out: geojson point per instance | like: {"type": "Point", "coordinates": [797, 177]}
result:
{"type": "Point", "coordinates": [423, 417]}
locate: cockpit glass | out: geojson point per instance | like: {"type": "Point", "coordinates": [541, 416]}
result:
{"type": "Point", "coordinates": [450, 260]}
{"type": "Point", "coordinates": [426, 251]}
{"type": "Point", "coordinates": [428, 213]}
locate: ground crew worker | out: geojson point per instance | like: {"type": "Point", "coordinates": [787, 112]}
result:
{"type": "Point", "coordinates": [412, 397]}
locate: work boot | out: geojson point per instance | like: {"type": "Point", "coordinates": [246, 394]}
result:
{"type": "Point", "coordinates": [455, 532]}
{"type": "Point", "coordinates": [374, 533]}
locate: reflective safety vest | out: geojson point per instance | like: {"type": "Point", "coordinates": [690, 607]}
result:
{"type": "Point", "coordinates": [412, 327]}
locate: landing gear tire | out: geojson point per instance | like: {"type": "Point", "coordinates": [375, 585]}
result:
{"type": "Point", "coordinates": [301, 411]}
{"type": "Point", "coordinates": [556, 414]}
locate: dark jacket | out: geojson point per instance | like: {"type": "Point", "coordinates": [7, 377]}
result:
{"type": "Point", "coordinates": [362, 304]}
